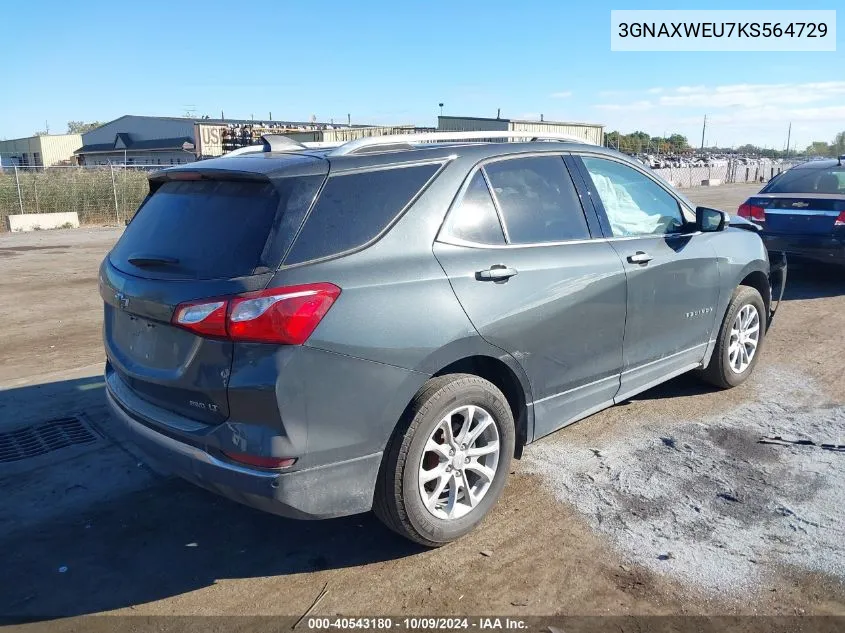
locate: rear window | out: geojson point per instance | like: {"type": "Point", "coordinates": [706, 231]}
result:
{"type": "Point", "coordinates": [354, 208]}
{"type": "Point", "coordinates": [215, 228]}
{"type": "Point", "coordinates": [809, 180]}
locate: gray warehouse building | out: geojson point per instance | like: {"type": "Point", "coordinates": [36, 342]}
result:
{"type": "Point", "coordinates": [155, 140]}
{"type": "Point", "coordinates": [590, 132]}
{"type": "Point", "coordinates": [139, 140]}
{"type": "Point", "coordinates": [152, 140]}
{"type": "Point", "coordinates": [164, 141]}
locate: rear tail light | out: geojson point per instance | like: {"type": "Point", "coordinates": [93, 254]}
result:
{"type": "Point", "coordinates": [752, 212]}
{"type": "Point", "coordinates": [285, 316]}
{"type": "Point", "coordinates": [281, 315]}
{"type": "Point", "coordinates": [202, 317]}
{"type": "Point", "coordinates": [259, 461]}
{"type": "Point", "coordinates": [840, 221]}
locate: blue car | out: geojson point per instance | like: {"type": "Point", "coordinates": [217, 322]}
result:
{"type": "Point", "coordinates": [801, 211]}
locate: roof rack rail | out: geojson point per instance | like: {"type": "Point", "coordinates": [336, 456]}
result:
{"type": "Point", "coordinates": [369, 143]}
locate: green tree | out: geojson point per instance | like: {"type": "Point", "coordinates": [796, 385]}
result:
{"type": "Point", "coordinates": [819, 148]}
{"type": "Point", "coordinates": [838, 146]}
{"type": "Point", "coordinates": [81, 127]}
{"type": "Point", "coordinates": [748, 148]}
{"type": "Point", "coordinates": [678, 141]}
{"type": "Point", "coordinates": [639, 141]}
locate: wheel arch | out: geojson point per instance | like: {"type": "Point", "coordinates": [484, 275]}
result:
{"type": "Point", "coordinates": [753, 274]}
{"type": "Point", "coordinates": [474, 355]}
{"type": "Point", "coordinates": [508, 381]}
{"type": "Point", "coordinates": [759, 280]}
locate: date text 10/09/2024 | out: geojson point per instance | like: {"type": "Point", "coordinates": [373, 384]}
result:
{"type": "Point", "coordinates": [416, 624]}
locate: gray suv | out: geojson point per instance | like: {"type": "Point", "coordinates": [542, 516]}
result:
{"type": "Point", "coordinates": [317, 332]}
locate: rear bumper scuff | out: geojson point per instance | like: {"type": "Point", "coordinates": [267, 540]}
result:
{"type": "Point", "coordinates": [331, 490]}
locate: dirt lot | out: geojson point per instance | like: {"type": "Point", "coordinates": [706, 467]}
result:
{"type": "Point", "coordinates": [664, 505]}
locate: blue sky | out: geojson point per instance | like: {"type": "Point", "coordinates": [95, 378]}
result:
{"type": "Point", "coordinates": [393, 62]}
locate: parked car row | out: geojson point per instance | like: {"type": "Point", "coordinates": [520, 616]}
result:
{"type": "Point", "coordinates": [665, 161]}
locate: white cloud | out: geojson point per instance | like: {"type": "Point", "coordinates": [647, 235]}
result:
{"type": "Point", "coordinates": [739, 113]}
{"type": "Point", "coordinates": [632, 106]}
{"type": "Point", "coordinates": [774, 114]}
{"type": "Point", "coordinates": [561, 95]}
{"type": "Point", "coordinates": [752, 95]}
{"type": "Point", "coordinates": [611, 93]}
{"type": "Point", "coordinates": [689, 89]}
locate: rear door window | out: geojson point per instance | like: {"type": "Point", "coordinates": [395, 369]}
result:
{"type": "Point", "coordinates": [537, 199]}
{"type": "Point", "coordinates": [354, 208]}
{"type": "Point", "coordinates": [474, 218]}
{"type": "Point", "coordinates": [213, 229]}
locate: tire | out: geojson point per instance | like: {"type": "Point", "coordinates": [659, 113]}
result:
{"type": "Point", "coordinates": [398, 500]}
{"type": "Point", "coordinates": [721, 371]}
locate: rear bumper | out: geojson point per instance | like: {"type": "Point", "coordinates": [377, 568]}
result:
{"type": "Point", "coordinates": [819, 248]}
{"type": "Point", "coordinates": [331, 490]}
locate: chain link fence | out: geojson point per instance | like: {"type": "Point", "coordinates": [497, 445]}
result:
{"type": "Point", "coordinates": [730, 171]}
{"type": "Point", "coordinates": [107, 195]}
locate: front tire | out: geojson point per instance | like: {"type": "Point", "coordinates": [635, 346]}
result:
{"type": "Point", "coordinates": [448, 460]}
{"type": "Point", "coordinates": [740, 340]}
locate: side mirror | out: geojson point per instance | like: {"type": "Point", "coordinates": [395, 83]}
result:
{"type": "Point", "coordinates": [710, 220]}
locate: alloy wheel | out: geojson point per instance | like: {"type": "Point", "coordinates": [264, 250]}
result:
{"type": "Point", "coordinates": [745, 337]}
{"type": "Point", "coordinates": [459, 462]}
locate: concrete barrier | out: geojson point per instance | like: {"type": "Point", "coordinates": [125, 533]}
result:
{"type": "Point", "coordinates": [36, 221]}
{"type": "Point", "coordinates": [711, 182]}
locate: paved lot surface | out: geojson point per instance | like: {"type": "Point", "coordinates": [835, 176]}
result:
{"type": "Point", "coordinates": [664, 505]}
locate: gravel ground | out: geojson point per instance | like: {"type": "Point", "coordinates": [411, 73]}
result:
{"type": "Point", "coordinates": [702, 500]}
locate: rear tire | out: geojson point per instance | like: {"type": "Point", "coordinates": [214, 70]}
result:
{"type": "Point", "coordinates": [446, 464]}
{"type": "Point", "coordinates": [737, 350]}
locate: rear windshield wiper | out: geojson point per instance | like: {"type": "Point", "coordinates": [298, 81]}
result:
{"type": "Point", "coordinates": [152, 260]}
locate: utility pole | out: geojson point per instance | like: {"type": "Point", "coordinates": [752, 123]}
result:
{"type": "Point", "coordinates": [703, 128]}
{"type": "Point", "coordinates": [788, 138]}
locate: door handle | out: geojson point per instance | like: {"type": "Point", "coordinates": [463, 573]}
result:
{"type": "Point", "coordinates": [640, 257]}
{"type": "Point", "coordinates": [499, 272]}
